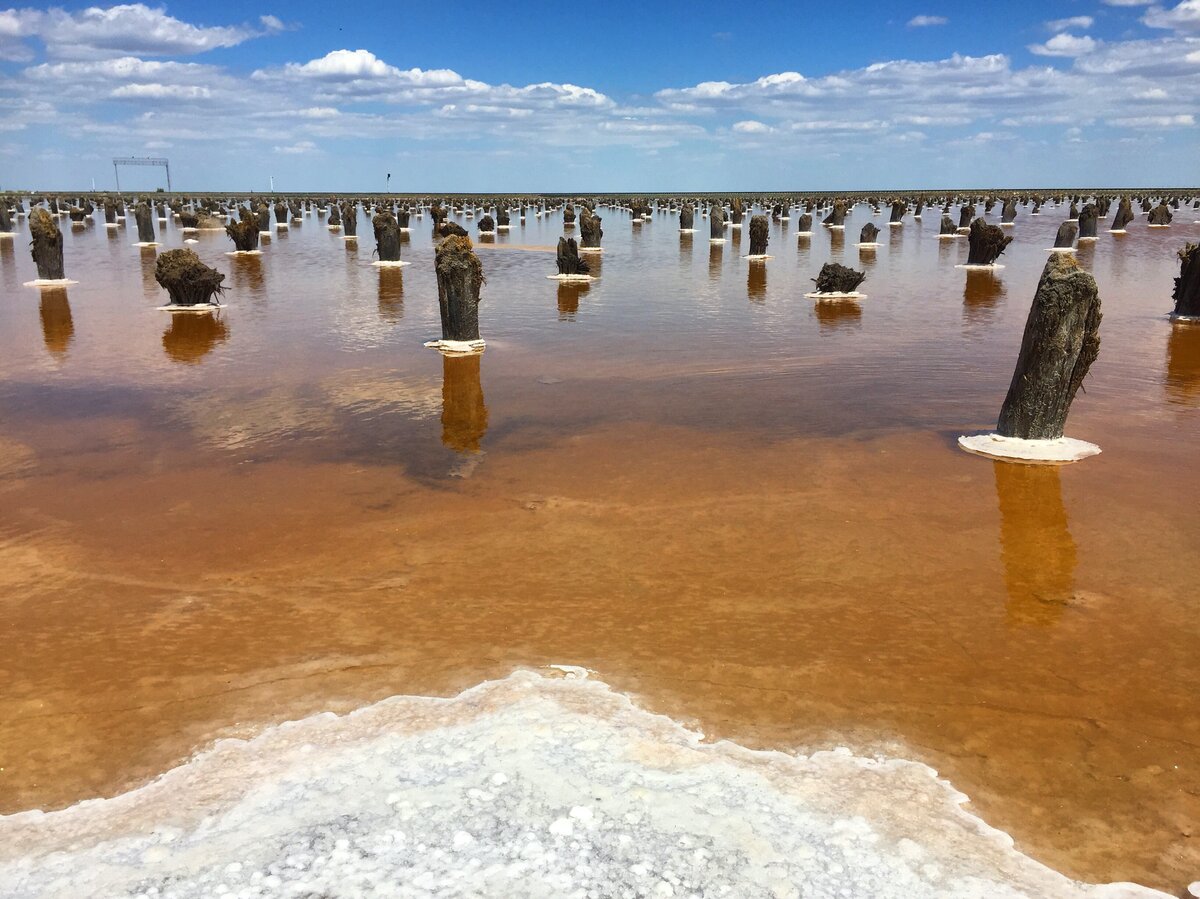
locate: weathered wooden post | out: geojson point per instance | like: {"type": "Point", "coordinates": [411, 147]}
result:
{"type": "Point", "coordinates": [244, 234]}
{"type": "Point", "coordinates": [987, 242]}
{"type": "Point", "coordinates": [1064, 240]}
{"type": "Point", "coordinates": [6, 228]}
{"type": "Point", "coordinates": [503, 218]}
{"type": "Point", "coordinates": [1123, 217]}
{"type": "Point", "coordinates": [837, 215]}
{"type": "Point", "coordinates": [1160, 216]}
{"type": "Point", "coordinates": [1187, 285]}
{"type": "Point", "coordinates": [1061, 341]}
{"type": "Point", "coordinates": [716, 224]}
{"type": "Point", "coordinates": [866, 237]}
{"type": "Point", "coordinates": [47, 246]}
{"type": "Point", "coordinates": [687, 219]}
{"type": "Point", "coordinates": [736, 212]}
{"type": "Point", "coordinates": [760, 235]}
{"type": "Point", "coordinates": [1008, 214]}
{"type": "Point", "coordinates": [570, 266]}
{"type": "Point", "coordinates": [590, 232]}
{"type": "Point", "coordinates": [947, 228]}
{"type": "Point", "coordinates": [387, 239]}
{"type": "Point", "coordinates": [188, 281]}
{"type": "Point", "coordinates": [281, 216]}
{"type": "Point", "coordinates": [837, 281]}
{"type": "Point", "coordinates": [145, 225]}
{"type": "Point", "coordinates": [334, 220]}
{"type": "Point", "coordinates": [965, 215]}
{"type": "Point", "coordinates": [899, 207]}
{"type": "Point", "coordinates": [350, 220]}
{"type": "Point", "coordinates": [804, 224]}
{"type": "Point", "coordinates": [487, 226]}
{"type": "Point", "coordinates": [459, 277]}
{"type": "Point", "coordinates": [1087, 222]}
{"type": "Point", "coordinates": [569, 216]}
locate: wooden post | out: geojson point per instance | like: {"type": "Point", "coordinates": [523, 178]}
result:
{"type": "Point", "coordinates": [687, 218]}
{"type": "Point", "coordinates": [244, 233]}
{"type": "Point", "coordinates": [760, 235]}
{"type": "Point", "coordinates": [837, 215]}
{"type": "Point", "coordinates": [1124, 215]}
{"type": "Point", "coordinates": [868, 234]}
{"type": "Point", "coordinates": [1066, 235]}
{"type": "Point", "coordinates": [459, 277]}
{"type": "Point", "coordinates": [145, 222]}
{"type": "Point", "coordinates": [350, 219]}
{"type": "Point", "coordinates": [47, 245]}
{"type": "Point", "coordinates": [1087, 222]}
{"type": "Point", "coordinates": [1187, 285]}
{"type": "Point", "coordinates": [965, 215]}
{"type": "Point", "coordinates": [187, 280]}
{"type": "Point", "coordinates": [899, 207]}
{"type": "Point", "coordinates": [987, 243]}
{"type": "Point", "coordinates": [805, 223]}
{"type": "Point", "coordinates": [1061, 341]}
{"type": "Point", "coordinates": [836, 278]}
{"type": "Point", "coordinates": [590, 232]}
{"type": "Point", "coordinates": [716, 222]}
{"type": "Point", "coordinates": [1160, 215]}
{"type": "Point", "coordinates": [568, 259]}
{"type": "Point", "coordinates": [387, 237]}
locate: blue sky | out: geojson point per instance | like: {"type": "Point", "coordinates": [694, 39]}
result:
{"type": "Point", "coordinates": [606, 97]}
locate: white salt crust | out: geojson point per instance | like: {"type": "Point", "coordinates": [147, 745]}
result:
{"type": "Point", "coordinates": [147, 243]}
{"type": "Point", "coordinates": [687, 230]}
{"type": "Point", "coordinates": [759, 257]}
{"type": "Point", "coordinates": [535, 786]}
{"type": "Point", "coordinates": [50, 282]}
{"type": "Point", "coordinates": [571, 277]}
{"type": "Point", "coordinates": [1060, 249]}
{"type": "Point", "coordinates": [995, 266]}
{"type": "Point", "coordinates": [1062, 450]}
{"type": "Point", "coordinates": [4, 234]}
{"type": "Point", "coordinates": [804, 234]}
{"type": "Point", "coordinates": [1158, 226]}
{"type": "Point", "coordinates": [399, 263]}
{"type": "Point", "coordinates": [868, 245]}
{"type": "Point", "coordinates": [591, 249]}
{"type": "Point", "coordinates": [895, 224]}
{"type": "Point", "coordinates": [349, 237]}
{"type": "Point", "coordinates": [716, 240]}
{"type": "Point", "coordinates": [836, 227]}
{"type": "Point", "coordinates": [836, 295]}
{"type": "Point", "coordinates": [1184, 319]}
{"type": "Point", "coordinates": [244, 253]}
{"type": "Point", "coordinates": [199, 307]}
{"type": "Point", "coordinates": [457, 347]}
{"type": "Point", "coordinates": [1088, 239]}
{"type": "Point", "coordinates": [109, 225]}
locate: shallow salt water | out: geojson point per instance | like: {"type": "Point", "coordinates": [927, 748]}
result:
{"type": "Point", "coordinates": [523, 787]}
{"type": "Point", "coordinates": [742, 508]}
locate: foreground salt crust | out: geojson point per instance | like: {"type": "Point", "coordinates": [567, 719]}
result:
{"type": "Point", "coordinates": [531, 786]}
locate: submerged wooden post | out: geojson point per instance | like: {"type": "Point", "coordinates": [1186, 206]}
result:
{"type": "Point", "coordinates": [244, 233]}
{"type": "Point", "coordinates": [145, 222]}
{"type": "Point", "coordinates": [486, 224]}
{"type": "Point", "coordinates": [868, 234]}
{"type": "Point", "coordinates": [1124, 215]}
{"type": "Point", "coordinates": [687, 218]}
{"type": "Point", "coordinates": [804, 224]}
{"type": "Point", "coordinates": [387, 237]}
{"type": "Point", "coordinates": [1087, 222]}
{"type": "Point", "coordinates": [187, 280]}
{"type": "Point", "coordinates": [281, 215]}
{"type": "Point", "coordinates": [987, 242]}
{"type": "Point", "coordinates": [736, 211]}
{"type": "Point", "coordinates": [5, 217]}
{"type": "Point", "coordinates": [965, 215]}
{"type": "Point", "coordinates": [1160, 215]}
{"type": "Point", "coordinates": [716, 223]}
{"type": "Point", "coordinates": [760, 235]}
{"type": "Point", "coordinates": [1061, 341]}
{"type": "Point", "coordinates": [590, 232]}
{"type": "Point", "coordinates": [837, 215]}
{"type": "Point", "coordinates": [350, 219]}
{"type": "Point", "coordinates": [569, 215]}
{"type": "Point", "coordinates": [47, 245]}
{"type": "Point", "coordinates": [1008, 214]}
{"type": "Point", "coordinates": [899, 207]}
{"type": "Point", "coordinates": [1065, 237]}
{"type": "Point", "coordinates": [459, 277]}
{"type": "Point", "coordinates": [1187, 285]}
{"type": "Point", "coordinates": [947, 227]}
{"type": "Point", "coordinates": [568, 259]}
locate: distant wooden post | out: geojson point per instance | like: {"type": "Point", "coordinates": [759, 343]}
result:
{"type": "Point", "coordinates": [1087, 222]}
{"type": "Point", "coordinates": [1187, 285]}
{"type": "Point", "coordinates": [244, 233]}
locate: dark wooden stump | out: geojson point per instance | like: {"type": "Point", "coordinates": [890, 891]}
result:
{"type": "Point", "coordinates": [835, 278]}
{"type": "Point", "coordinates": [1066, 235]}
{"type": "Point", "coordinates": [805, 223]}
{"type": "Point", "coordinates": [459, 277]}
{"type": "Point", "coordinates": [189, 220]}
{"type": "Point", "coordinates": [590, 232]}
{"type": "Point", "coordinates": [1008, 214]}
{"type": "Point", "coordinates": [281, 214]}
{"type": "Point", "coordinates": [387, 237]}
{"type": "Point", "coordinates": [760, 235]}
{"type": "Point", "coordinates": [5, 217]}
{"type": "Point", "coordinates": [1160, 215]}
{"type": "Point", "coordinates": [350, 219]}
{"type": "Point", "coordinates": [569, 215]}
{"type": "Point", "coordinates": [947, 226]}
{"type": "Point", "coordinates": [1074, 213]}
{"type": "Point", "coordinates": [899, 207]}
{"type": "Point", "coordinates": [736, 211]}
{"type": "Point", "coordinates": [687, 218]}
{"type": "Point", "coordinates": [716, 222]}
{"type": "Point", "coordinates": [334, 220]}
{"type": "Point", "coordinates": [145, 223]}
{"type": "Point", "coordinates": [965, 215]}
{"type": "Point", "coordinates": [486, 224]}
{"type": "Point", "coordinates": [1187, 285]}
{"type": "Point", "coordinates": [464, 413]}
{"type": "Point", "coordinates": [187, 280]}
{"type": "Point", "coordinates": [868, 234]}
{"type": "Point", "coordinates": [837, 215]}
{"type": "Point", "coordinates": [1124, 215]}
{"type": "Point", "coordinates": [449, 229]}
{"type": "Point", "coordinates": [1087, 221]}
{"type": "Point", "coordinates": [987, 242]}
{"type": "Point", "coordinates": [1061, 341]}
{"type": "Point", "coordinates": [47, 245]}
{"type": "Point", "coordinates": [244, 233]}
{"type": "Point", "coordinates": [568, 259]}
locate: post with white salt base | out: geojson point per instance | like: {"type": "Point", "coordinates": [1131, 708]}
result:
{"type": "Point", "coordinates": [6, 228]}
{"type": "Point", "coordinates": [716, 224]}
{"type": "Point", "coordinates": [459, 277]}
{"type": "Point", "coordinates": [1061, 341]}
{"type": "Point", "coordinates": [987, 242]}
{"type": "Point", "coordinates": [244, 234]}
{"type": "Point", "coordinates": [590, 232]}
{"type": "Point", "coordinates": [760, 235]}
{"type": "Point", "coordinates": [866, 237]}
{"type": "Point", "coordinates": [899, 207]}
{"type": "Point", "coordinates": [387, 240]}
{"type": "Point", "coordinates": [837, 282]}
{"type": "Point", "coordinates": [145, 225]}
{"type": "Point", "coordinates": [947, 228]}
{"type": "Point", "coordinates": [1187, 285]}
{"type": "Point", "coordinates": [191, 285]}
{"type": "Point", "coordinates": [1064, 240]}
{"type": "Point", "coordinates": [570, 266]}
{"type": "Point", "coordinates": [687, 219]}
{"type": "Point", "coordinates": [46, 247]}
{"type": "Point", "coordinates": [1088, 217]}
{"type": "Point", "coordinates": [1123, 217]}
{"type": "Point", "coordinates": [805, 225]}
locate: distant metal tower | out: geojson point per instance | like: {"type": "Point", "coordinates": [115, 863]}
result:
{"type": "Point", "coordinates": [141, 160]}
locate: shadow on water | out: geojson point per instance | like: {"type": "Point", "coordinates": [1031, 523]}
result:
{"type": "Point", "coordinates": [58, 330]}
{"type": "Point", "coordinates": [1035, 543]}
{"type": "Point", "coordinates": [464, 413]}
{"type": "Point", "coordinates": [191, 336]}
{"type": "Point", "coordinates": [1182, 379]}
{"type": "Point", "coordinates": [391, 294]}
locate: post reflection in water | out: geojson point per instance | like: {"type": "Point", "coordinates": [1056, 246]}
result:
{"type": "Point", "coordinates": [149, 259]}
{"type": "Point", "coordinates": [8, 261]}
{"type": "Point", "coordinates": [1183, 364]}
{"type": "Point", "coordinates": [568, 298]}
{"type": "Point", "coordinates": [1085, 252]}
{"type": "Point", "coordinates": [837, 239]}
{"type": "Point", "coordinates": [464, 414]}
{"type": "Point", "coordinates": [756, 282]}
{"type": "Point", "coordinates": [391, 294]}
{"type": "Point", "coordinates": [685, 249]}
{"type": "Point", "coordinates": [866, 257]}
{"type": "Point", "coordinates": [58, 330]}
{"type": "Point", "coordinates": [735, 237]}
{"type": "Point", "coordinates": [192, 335]}
{"type": "Point", "coordinates": [714, 261]}
{"type": "Point", "coordinates": [982, 291]}
{"type": "Point", "coordinates": [1035, 543]}
{"type": "Point", "coordinates": [845, 314]}
{"type": "Point", "coordinates": [248, 274]}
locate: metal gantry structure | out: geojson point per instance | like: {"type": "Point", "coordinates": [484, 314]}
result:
{"type": "Point", "coordinates": [140, 160]}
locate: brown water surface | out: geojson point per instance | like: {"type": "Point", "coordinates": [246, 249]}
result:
{"type": "Point", "coordinates": [745, 508]}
